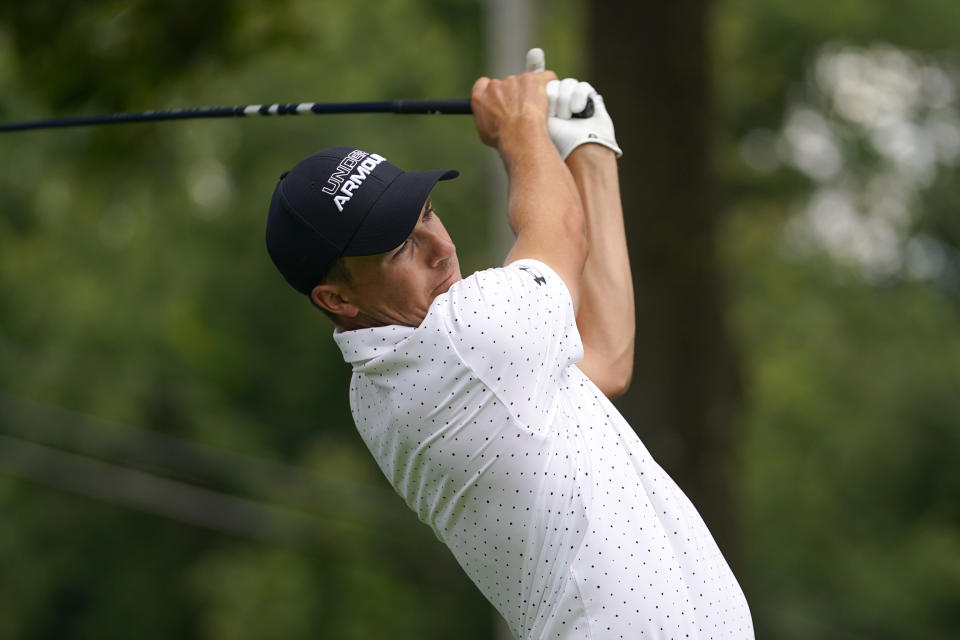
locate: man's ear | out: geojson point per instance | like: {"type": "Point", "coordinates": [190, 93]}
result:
{"type": "Point", "coordinates": [331, 297]}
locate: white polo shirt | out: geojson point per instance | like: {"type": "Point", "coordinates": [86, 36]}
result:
{"type": "Point", "coordinates": [544, 494]}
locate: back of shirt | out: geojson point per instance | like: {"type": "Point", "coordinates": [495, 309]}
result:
{"type": "Point", "coordinates": [546, 497]}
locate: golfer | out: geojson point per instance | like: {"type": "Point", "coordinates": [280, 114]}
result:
{"type": "Point", "coordinates": [485, 400]}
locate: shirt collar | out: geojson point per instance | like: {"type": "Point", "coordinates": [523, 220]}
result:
{"type": "Point", "coordinates": [362, 345]}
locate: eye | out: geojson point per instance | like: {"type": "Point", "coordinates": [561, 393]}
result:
{"type": "Point", "coordinates": [428, 213]}
{"type": "Point", "coordinates": [402, 247]}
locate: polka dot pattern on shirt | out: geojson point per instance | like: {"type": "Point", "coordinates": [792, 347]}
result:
{"type": "Point", "coordinates": [481, 421]}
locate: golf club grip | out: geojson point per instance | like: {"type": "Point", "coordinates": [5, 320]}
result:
{"type": "Point", "coordinates": [459, 105]}
{"type": "Point", "coordinates": [587, 110]}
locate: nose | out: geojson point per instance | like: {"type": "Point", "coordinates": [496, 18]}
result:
{"type": "Point", "coordinates": [441, 248]}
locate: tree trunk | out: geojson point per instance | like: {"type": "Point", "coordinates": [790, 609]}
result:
{"type": "Point", "coordinates": [650, 60]}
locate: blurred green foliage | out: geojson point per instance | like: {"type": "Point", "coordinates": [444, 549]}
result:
{"type": "Point", "coordinates": [850, 520]}
{"type": "Point", "coordinates": [134, 286]}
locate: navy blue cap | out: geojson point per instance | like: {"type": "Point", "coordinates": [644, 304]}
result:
{"type": "Point", "coordinates": [340, 202]}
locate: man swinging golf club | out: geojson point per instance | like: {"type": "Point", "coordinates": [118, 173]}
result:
{"type": "Point", "coordinates": [485, 400]}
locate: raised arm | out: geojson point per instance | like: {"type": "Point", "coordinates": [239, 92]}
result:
{"type": "Point", "coordinates": [544, 207]}
{"type": "Point", "coordinates": [605, 317]}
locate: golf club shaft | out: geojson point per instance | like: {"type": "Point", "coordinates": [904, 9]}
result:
{"type": "Point", "coordinates": [451, 105]}
{"type": "Point", "coordinates": [411, 106]}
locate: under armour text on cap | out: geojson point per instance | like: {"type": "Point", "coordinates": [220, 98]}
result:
{"type": "Point", "coordinates": [342, 202]}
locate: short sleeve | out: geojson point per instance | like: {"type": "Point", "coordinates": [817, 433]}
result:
{"type": "Point", "coordinates": [515, 327]}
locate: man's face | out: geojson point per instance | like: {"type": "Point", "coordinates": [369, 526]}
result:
{"type": "Point", "coordinates": [397, 287]}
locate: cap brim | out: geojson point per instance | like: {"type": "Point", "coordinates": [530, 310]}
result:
{"type": "Point", "coordinates": [395, 213]}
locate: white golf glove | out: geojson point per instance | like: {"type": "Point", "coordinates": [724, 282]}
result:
{"type": "Point", "coordinates": [567, 97]}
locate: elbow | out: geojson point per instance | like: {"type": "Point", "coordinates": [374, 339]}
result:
{"type": "Point", "coordinates": [616, 375]}
{"type": "Point", "coordinates": [612, 381]}
{"type": "Point", "coordinates": [621, 371]}
{"type": "Point", "coordinates": [619, 383]}
{"type": "Point", "coordinates": [612, 373]}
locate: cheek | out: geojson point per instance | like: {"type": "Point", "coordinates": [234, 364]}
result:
{"type": "Point", "coordinates": [403, 286]}
{"type": "Point", "coordinates": [400, 287]}
{"type": "Point", "coordinates": [413, 279]}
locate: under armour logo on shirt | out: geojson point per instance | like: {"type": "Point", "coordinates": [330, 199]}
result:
{"type": "Point", "coordinates": [536, 277]}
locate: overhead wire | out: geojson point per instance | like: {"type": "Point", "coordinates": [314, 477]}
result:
{"type": "Point", "coordinates": [296, 506]}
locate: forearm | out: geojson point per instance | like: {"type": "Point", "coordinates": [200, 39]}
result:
{"type": "Point", "coordinates": [606, 314]}
{"type": "Point", "coordinates": [544, 208]}
{"type": "Point", "coordinates": [542, 190]}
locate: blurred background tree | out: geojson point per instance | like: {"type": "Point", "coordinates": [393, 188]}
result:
{"type": "Point", "coordinates": [176, 449]}
{"type": "Point", "coordinates": [653, 60]}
